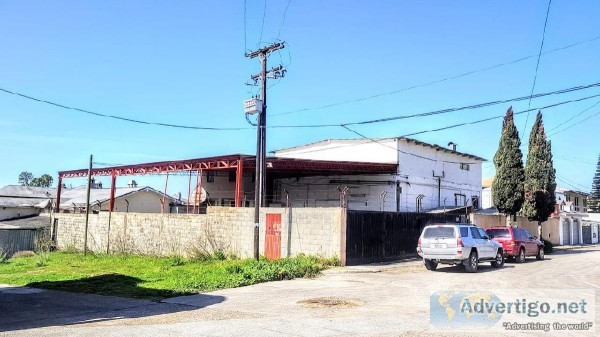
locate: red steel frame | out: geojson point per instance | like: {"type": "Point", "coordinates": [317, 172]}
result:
{"type": "Point", "coordinates": [290, 166]}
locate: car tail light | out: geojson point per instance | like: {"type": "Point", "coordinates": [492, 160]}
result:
{"type": "Point", "coordinates": [459, 245]}
{"type": "Point", "coordinates": [419, 243]}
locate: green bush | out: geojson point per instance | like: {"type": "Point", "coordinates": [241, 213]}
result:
{"type": "Point", "coordinates": [548, 247]}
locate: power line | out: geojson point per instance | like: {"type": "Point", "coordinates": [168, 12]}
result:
{"type": "Point", "coordinates": [263, 24]}
{"type": "Point", "coordinates": [444, 111]}
{"type": "Point", "coordinates": [537, 65]}
{"type": "Point", "coordinates": [570, 119]}
{"type": "Point", "coordinates": [568, 127]}
{"type": "Point", "coordinates": [284, 16]}
{"type": "Point", "coordinates": [437, 81]}
{"type": "Point", "coordinates": [125, 119]}
{"type": "Point", "coordinates": [502, 116]}
{"type": "Point", "coordinates": [245, 35]}
{"type": "Point", "coordinates": [446, 127]}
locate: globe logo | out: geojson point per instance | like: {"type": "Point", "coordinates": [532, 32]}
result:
{"type": "Point", "coordinates": [463, 309]}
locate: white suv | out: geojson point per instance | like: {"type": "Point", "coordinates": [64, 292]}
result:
{"type": "Point", "coordinates": [458, 244]}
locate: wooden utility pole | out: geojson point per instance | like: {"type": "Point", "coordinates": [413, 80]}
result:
{"type": "Point", "coordinates": [87, 206]}
{"type": "Point", "coordinates": [261, 133]}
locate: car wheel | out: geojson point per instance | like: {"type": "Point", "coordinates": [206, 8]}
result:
{"type": "Point", "coordinates": [472, 262]}
{"type": "Point", "coordinates": [429, 264]}
{"type": "Point", "coordinates": [540, 254]}
{"type": "Point", "coordinates": [521, 257]}
{"type": "Point", "coordinates": [499, 260]}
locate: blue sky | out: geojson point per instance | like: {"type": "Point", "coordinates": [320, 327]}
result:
{"type": "Point", "coordinates": [183, 63]}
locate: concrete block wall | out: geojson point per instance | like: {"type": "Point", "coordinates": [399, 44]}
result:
{"type": "Point", "coordinates": [310, 231]}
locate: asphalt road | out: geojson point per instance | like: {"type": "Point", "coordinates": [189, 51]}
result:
{"type": "Point", "coordinates": [369, 300]}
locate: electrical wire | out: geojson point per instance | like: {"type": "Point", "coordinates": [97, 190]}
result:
{"type": "Point", "coordinates": [284, 16]}
{"type": "Point", "coordinates": [436, 81]}
{"type": "Point", "coordinates": [568, 127]}
{"type": "Point", "coordinates": [245, 35]}
{"type": "Point", "coordinates": [444, 111]}
{"type": "Point", "coordinates": [449, 126]}
{"type": "Point", "coordinates": [570, 119]}
{"type": "Point", "coordinates": [537, 65]}
{"type": "Point", "coordinates": [263, 24]}
{"type": "Point", "coordinates": [125, 119]}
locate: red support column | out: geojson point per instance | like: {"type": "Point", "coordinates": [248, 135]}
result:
{"type": "Point", "coordinates": [199, 194]}
{"type": "Point", "coordinates": [111, 201]}
{"type": "Point", "coordinates": [162, 206]}
{"type": "Point", "coordinates": [187, 208]}
{"type": "Point", "coordinates": [239, 183]}
{"type": "Point", "coordinates": [58, 191]}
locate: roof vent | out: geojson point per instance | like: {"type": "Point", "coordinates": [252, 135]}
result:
{"type": "Point", "coordinates": [452, 145]}
{"type": "Point", "coordinates": [132, 183]}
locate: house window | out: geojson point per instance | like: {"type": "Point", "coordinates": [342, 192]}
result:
{"type": "Point", "coordinates": [210, 176]}
{"type": "Point", "coordinates": [460, 200]}
{"type": "Point", "coordinates": [464, 166]}
{"type": "Point", "coordinates": [419, 205]}
{"type": "Point", "coordinates": [231, 176]}
{"type": "Point", "coordinates": [576, 201]}
{"type": "Point", "coordinates": [568, 198]}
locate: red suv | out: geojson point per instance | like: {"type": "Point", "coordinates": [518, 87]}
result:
{"type": "Point", "coordinates": [517, 243]}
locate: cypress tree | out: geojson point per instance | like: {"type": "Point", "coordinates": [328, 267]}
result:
{"type": "Point", "coordinates": [594, 198]}
{"type": "Point", "coordinates": [507, 188]}
{"type": "Point", "coordinates": [540, 176]}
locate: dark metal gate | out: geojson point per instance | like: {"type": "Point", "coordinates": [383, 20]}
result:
{"type": "Point", "coordinates": [381, 236]}
{"type": "Point", "coordinates": [586, 231]}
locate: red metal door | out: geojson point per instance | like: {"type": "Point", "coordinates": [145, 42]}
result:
{"type": "Point", "coordinates": [273, 236]}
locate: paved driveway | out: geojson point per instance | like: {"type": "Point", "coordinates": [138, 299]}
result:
{"type": "Point", "coordinates": [380, 300]}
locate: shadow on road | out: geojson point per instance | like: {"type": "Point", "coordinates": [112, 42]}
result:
{"type": "Point", "coordinates": [27, 307]}
{"type": "Point", "coordinates": [461, 269]}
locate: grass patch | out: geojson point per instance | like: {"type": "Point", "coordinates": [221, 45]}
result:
{"type": "Point", "coordinates": [148, 277]}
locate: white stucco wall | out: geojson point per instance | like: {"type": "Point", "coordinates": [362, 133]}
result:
{"type": "Point", "coordinates": [140, 202]}
{"type": "Point", "coordinates": [17, 212]}
{"type": "Point", "coordinates": [360, 150]}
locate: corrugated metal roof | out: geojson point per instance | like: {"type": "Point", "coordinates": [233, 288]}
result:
{"type": "Point", "coordinates": [26, 223]}
{"type": "Point", "coordinates": [24, 202]}
{"type": "Point", "coordinates": [369, 140]}
{"type": "Point", "coordinates": [27, 191]}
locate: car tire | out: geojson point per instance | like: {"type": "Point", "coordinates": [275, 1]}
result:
{"type": "Point", "coordinates": [521, 257]}
{"type": "Point", "coordinates": [472, 263]}
{"type": "Point", "coordinates": [540, 254]}
{"type": "Point", "coordinates": [499, 259]}
{"type": "Point", "coordinates": [430, 265]}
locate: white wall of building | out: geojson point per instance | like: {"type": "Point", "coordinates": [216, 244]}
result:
{"type": "Point", "coordinates": [139, 202]}
{"type": "Point", "coordinates": [434, 174]}
{"type": "Point", "coordinates": [17, 212]}
{"type": "Point", "coordinates": [359, 150]}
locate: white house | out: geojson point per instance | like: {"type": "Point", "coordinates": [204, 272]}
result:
{"type": "Point", "coordinates": [142, 199]}
{"type": "Point", "coordinates": [428, 176]}
{"type": "Point", "coordinates": [21, 201]}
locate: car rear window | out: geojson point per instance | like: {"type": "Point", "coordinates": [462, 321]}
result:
{"type": "Point", "coordinates": [499, 233]}
{"type": "Point", "coordinates": [439, 232]}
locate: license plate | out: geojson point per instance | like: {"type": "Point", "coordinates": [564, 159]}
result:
{"type": "Point", "coordinates": [440, 245]}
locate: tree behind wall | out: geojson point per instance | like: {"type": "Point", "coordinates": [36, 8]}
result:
{"type": "Point", "coordinates": [540, 176]}
{"type": "Point", "coordinates": [507, 188]}
{"type": "Point", "coordinates": [594, 198]}
{"type": "Point", "coordinates": [25, 178]}
{"type": "Point", "coordinates": [45, 180]}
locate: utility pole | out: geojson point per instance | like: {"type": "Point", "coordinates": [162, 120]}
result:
{"type": "Point", "coordinates": [261, 133]}
{"type": "Point", "coordinates": [87, 206]}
